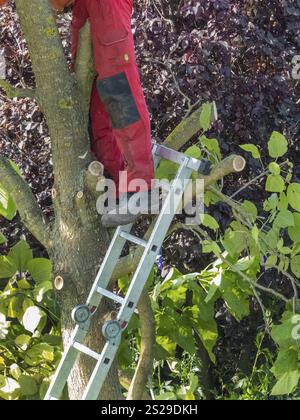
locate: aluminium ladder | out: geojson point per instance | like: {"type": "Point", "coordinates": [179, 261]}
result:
{"type": "Point", "coordinates": [112, 330]}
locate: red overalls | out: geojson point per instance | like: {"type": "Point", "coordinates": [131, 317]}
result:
{"type": "Point", "coordinates": [119, 115]}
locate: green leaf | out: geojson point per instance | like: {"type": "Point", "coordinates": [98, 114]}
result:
{"type": "Point", "coordinates": [214, 287]}
{"type": "Point", "coordinates": [275, 183]}
{"type": "Point", "coordinates": [205, 325]}
{"type": "Point", "coordinates": [3, 239]}
{"type": "Point", "coordinates": [39, 353]}
{"type": "Point", "coordinates": [15, 309]}
{"type": "Point", "coordinates": [274, 168]}
{"type": "Point", "coordinates": [166, 170]}
{"type": "Point", "coordinates": [286, 384]}
{"type": "Point", "coordinates": [284, 219]}
{"type": "Point", "coordinates": [250, 210]}
{"type": "Point", "coordinates": [293, 194]}
{"type": "Point", "coordinates": [235, 298]}
{"type": "Point", "coordinates": [206, 116]}
{"type": "Point", "coordinates": [283, 334]}
{"type": "Point", "coordinates": [167, 396]}
{"type": "Point", "coordinates": [124, 354]}
{"type": "Point", "coordinates": [21, 254]}
{"type": "Point", "coordinates": [287, 361]}
{"type": "Point", "coordinates": [164, 347]}
{"type": "Point", "coordinates": [278, 145]}
{"type": "Point", "coordinates": [8, 267]}
{"type": "Point", "coordinates": [235, 241]}
{"type": "Point", "coordinates": [28, 385]}
{"type": "Point", "coordinates": [209, 246]}
{"type": "Point", "coordinates": [10, 389]}
{"type": "Point", "coordinates": [295, 265]}
{"type": "Point", "coordinates": [32, 318]}
{"type": "Point", "coordinates": [210, 222]}
{"type": "Point", "coordinates": [272, 203]}
{"type": "Point", "coordinates": [7, 206]}
{"type": "Point", "coordinates": [15, 371]}
{"type": "Point", "coordinates": [294, 231]}
{"type": "Point", "coordinates": [251, 148]}
{"type": "Point", "coordinates": [272, 261]}
{"type": "Point", "coordinates": [194, 152]}
{"type": "Point", "coordinates": [244, 264]}
{"type": "Point", "coordinates": [23, 341]}
{"type": "Point", "coordinates": [283, 202]}
{"type": "Point", "coordinates": [212, 145]}
{"type": "Point", "coordinates": [41, 290]}
{"type": "Point", "coordinates": [176, 327]}
{"type": "Point", "coordinates": [44, 388]}
{"type": "Point", "coordinates": [40, 269]}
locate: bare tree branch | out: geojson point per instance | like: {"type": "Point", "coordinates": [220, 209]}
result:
{"type": "Point", "coordinates": [84, 68]}
{"type": "Point", "coordinates": [29, 210]}
{"type": "Point", "coordinates": [145, 364]}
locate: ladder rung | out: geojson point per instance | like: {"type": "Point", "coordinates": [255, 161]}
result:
{"type": "Point", "coordinates": [133, 239]}
{"type": "Point", "coordinates": [110, 295]}
{"type": "Point", "coordinates": [86, 350]}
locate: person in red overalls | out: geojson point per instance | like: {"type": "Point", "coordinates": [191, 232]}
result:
{"type": "Point", "coordinates": [121, 136]}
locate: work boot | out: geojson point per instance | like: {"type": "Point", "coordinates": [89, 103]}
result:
{"type": "Point", "coordinates": [131, 207]}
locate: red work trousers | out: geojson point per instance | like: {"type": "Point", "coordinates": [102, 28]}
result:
{"type": "Point", "coordinates": [119, 116]}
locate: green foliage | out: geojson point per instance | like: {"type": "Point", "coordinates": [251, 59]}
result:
{"type": "Point", "coordinates": [249, 246]}
{"type": "Point", "coordinates": [7, 205]}
{"type": "Point", "coordinates": [287, 368]}
{"type": "Point", "coordinates": [30, 342]}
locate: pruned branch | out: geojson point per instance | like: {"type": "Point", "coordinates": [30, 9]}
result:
{"type": "Point", "coordinates": [26, 203]}
{"type": "Point", "coordinates": [84, 67]}
{"type": "Point", "coordinates": [94, 178]}
{"type": "Point", "coordinates": [12, 92]}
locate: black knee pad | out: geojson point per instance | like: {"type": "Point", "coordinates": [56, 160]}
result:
{"type": "Point", "coordinates": [118, 100]}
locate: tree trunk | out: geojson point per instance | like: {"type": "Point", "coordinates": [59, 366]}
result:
{"type": "Point", "coordinates": [77, 241]}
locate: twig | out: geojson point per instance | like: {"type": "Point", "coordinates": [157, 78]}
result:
{"type": "Point", "coordinates": [12, 92]}
{"type": "Point", "coordinates": [145, 363]}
